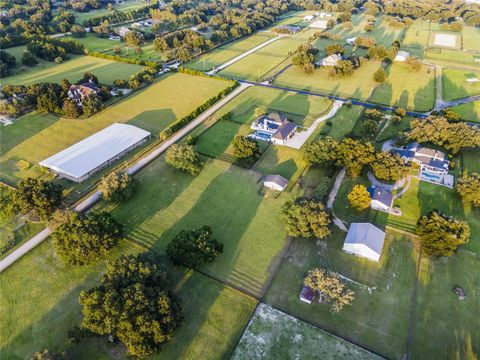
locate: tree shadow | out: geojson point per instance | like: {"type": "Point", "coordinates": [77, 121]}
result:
{"type": "Point", "coordinates": [153, 121]}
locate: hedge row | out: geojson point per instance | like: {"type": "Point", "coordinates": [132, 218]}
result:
{"type": "Point", "coordinates": [153, 64]}
{"type": "Point", "coordinates": [200, 73]}
{"type": "Point", "coordinates": [177, 125]}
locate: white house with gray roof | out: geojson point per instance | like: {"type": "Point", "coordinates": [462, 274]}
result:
{"type": "Point", "coordinates": [364, 240]}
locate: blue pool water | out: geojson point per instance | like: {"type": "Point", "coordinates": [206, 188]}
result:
{"type": "Point", "coordinates": [431, 176]}
{"type": "Point", "coordinates": [263, 135]}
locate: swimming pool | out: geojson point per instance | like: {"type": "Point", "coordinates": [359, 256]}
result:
{"type": "Point", "coordinates": [431, 176]}
{"type": "Point", "coordinates": [261, 135]}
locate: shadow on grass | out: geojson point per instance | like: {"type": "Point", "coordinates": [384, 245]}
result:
{"type": "Point", "coordinates": [153, 121]}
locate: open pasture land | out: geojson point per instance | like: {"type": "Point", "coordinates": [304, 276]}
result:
{"type": "Point", "coordinates": [470, 35]}
{"type": "Point", "coordinates": [358, 86]}
{"type": "Point", "coordinates": [125, 6]}
{"type": "Point", "coordinates": [456, 85]}
{"type": "Point", "coordinates": [255, 65]}
{"type": "Point", "coordinates": [148, 52]}
{"type": "Point", "coordinates": [272, 334]}
{"type": "Point", "coordinates": [452, 57]}
{"type": "Point", "coordinates": [469, 111]}
{"type": "Point", "coordinates": [106, 70]}
{"type": "Point", "coordinates": [94, 43]}
{"type": "Point", "coordinates": [281, 160]}
{"type": "Point", "coordinates": [376, 319]}
{"type": "Point", "coordinates": [226, 52]}
{"type": "Point", "coordinates": [343, 122]}
{"type": "Point", "coordinates": [417, 35]}
{"type": "Point", "coordinates": [407, 89]}
{"type": "Point", "coordinates": [35, 137]}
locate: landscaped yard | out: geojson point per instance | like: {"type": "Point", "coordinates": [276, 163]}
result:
{"type": "Point", "coordinates": [358, 86]}
{"type": "Point", "coordinates": [272, 334]}
{"type": "Point", "coordinates": [35, 137]}
{"type": "Point", "coordinates": [469, 111]}
{"type": "Point", "coordinates": [379, 315]}
{"type": "Point", "coordinates": [407, 89]}
{"type": "Point", "coordinates": [106, 70]}
{"type": "Point", "coordinates": [455, 85]}
{"type": "Point", "coordinates": [343, 122]}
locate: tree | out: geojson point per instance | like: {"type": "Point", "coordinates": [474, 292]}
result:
{"type": "Point", "coordinates": [305, 57]}
{"type": "Point", "coordinates": [334, 49]}
{"type": "Point", "coordinates": [40, 197]}
{"type": "Point", "coordinates": [441, 235]}
{"type": "Point", "coordinates": [85, 238]}
{"type": "Point", "coordinates": [401, 112]}
{"type": "Point", "coordinates": [89, 77]}
{"type": "Point", "coordinates": [321, 151]}
{"type": "Point", "coordinates": [359, 198]}
{"type": "Point", "coordinates": [355, 155]}
{"type": "Point", "coordinates": [78, 31]}
{"type": "Point", "coordinates": [133, 303]}
{"type": "Point", "coordinates": [134, 39]}
{"type": "Point", "coordinates": [194, 248]}
{"type": "Point", "coordinates": [388, 166]}
{"type": "Point", "coordinates": [28, 59]}
{"type": "Point", "coordinates": [380, 76]}
{"type": "Point", "coordinates": [7, 61]}
{"type": "Point", "coordinates": [323, 188]}
{"type": "Point", "coordinates": [71, 109]}
{"type": "Point", "coordinates": [469, 188]}
{"type": "Point", "coordinates": [244, 148]}
{"type": "Point", "coordinates": [414, 64]}
{"type": "Point", "coordinates": [184, 158]}
{"type": "Point", "coordinates": [91, 105]}
{"type": "Point", "coordinates": [117, 186]}
{"type": "Point", "coordinates": [368, 129]}
{"type": "Point", "coordinates": [328, 284]}
{"type": "Point", "coordinates": [306, 218]}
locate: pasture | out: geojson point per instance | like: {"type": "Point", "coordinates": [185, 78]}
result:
{"type": "Point", "coordinates": [125, 6]}
{"type": "Point", "coordinates": [469, 111]}
{"type": "Point", "coordinates": [148, 52]}
{"type": "Point", "coordinates": [281, 160]}
{"type": "Point", "coordinates": [400, 90]}
{"type": "Point", "coordinates": [94, 43]}
{"type": "Point", "coordinates": [106, 70]}
{"type": "Point", "coordinates": [456, 84]}
{"type": "Point", "coordinates": [35, 136]}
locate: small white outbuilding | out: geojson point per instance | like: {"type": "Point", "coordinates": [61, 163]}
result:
{"type": "Point", "coordinates": [364, 240]}
{"type": "Point", "coordinates": [275, 182]}
{"type": "Point", "coordinates": [402, 56]}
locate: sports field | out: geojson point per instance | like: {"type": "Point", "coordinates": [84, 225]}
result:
{"type": "Point", "coordinates": [449, 40]}
{"type": "Point", "coordinates": [272, 334]}
{"type": "Point", "coordinates": [358, 86]}
{"type": "Point", "coordinates": [106, 70]}
{"type": "Point", "coordinates": [35, 137]}
{"type": "Point", "coordinates": [226, 52]}
{"type": "Point", "coordinates": [259, 63]}
{"type": "Point", "coordinates": [407, 89]}
{"type": "Point", "coordinates": [469, 111]}
{"type": "Point", "coordinates": [456, 84]}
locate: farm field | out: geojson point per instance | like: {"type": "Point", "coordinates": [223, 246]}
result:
{"type": "Point", "coordinates": [400, 90]}
{"type": "Point", "coordinates": [35, 136]}
{"type": "Point", "coordinates": [469, 111]}
{"type": "Point", "coordinates": [256, 65]}
{"type": "Point", "coordinates": [106, 70]}
{"type": "Point", "coordinates": [272, 334]}
{"type": "Point", "coordinates": [358, 86]}
{"type": "Point", "coordinates": [94, 43]}
{"type": "Point", "coordinates": [375, 319]}
{"type": "Point", "coordinates": [226, 52]}
{"type": "Point", "coordinates": [455, 85]}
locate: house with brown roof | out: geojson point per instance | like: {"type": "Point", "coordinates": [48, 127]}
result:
{"type": "Point", "coordinates": [274, 128]}
{"type": "Point", "coordinates": [78, 93]}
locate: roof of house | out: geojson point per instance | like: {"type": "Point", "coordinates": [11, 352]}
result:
{"type": "Point", "coordinates": [331, 59]}
{"type": "Point", "coordinates": [85, 89]}
{"type": "Point", "coordinates": [366, 234]}
{"type": "Point", "coordinates": [277, 117]}
{"type": "Point", "coordinates": [86, 155]}
{"type": "Point", "coordinates": [276, 179]}
{"type": "Point", "coordinates": [381, 195]}
{"type": "Point", "coordinates": [426, 156]}
{"type": "Point", "coordinates": [285, 130]}
{"type": "Point", "coordinates": [307, 293]}
{"type": "Point", "coordinates": [402, 54]}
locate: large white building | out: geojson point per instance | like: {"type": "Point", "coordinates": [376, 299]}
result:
{"type": "Point", "coordinates": [81, 160]}
{"type": "Point", "coordinates": [364, 240]}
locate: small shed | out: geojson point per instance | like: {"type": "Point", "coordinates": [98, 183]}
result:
{"type": "Point", "coordinates": [307, 295]}
{"type": "Point", "coordinates": [351, 41]}
{"type": "Point", "coordinates": [364, 240]}
{"type": "Point", "coordinates": [402, 56]}
{"type": "Point", "coordinates": [381, 199]}
{"type": "Point", "coordinates": [275, 182]}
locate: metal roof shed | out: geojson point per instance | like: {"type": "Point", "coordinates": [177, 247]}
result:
{"type": "Point", "coordinates": [83, 159]}
{"type": "Point", "coordinates": [365, 240]}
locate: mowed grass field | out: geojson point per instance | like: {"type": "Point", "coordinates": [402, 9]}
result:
{"type": "Point", "coordinates": [455, 85]}
{"type": "Point", "coordinates": [125, 6]}
{"type": "Point", "coordinates": [376, 319]}
{"type": "Point", "coordinates": [255, 65]}
{"type": "Point", "coordinates": [272, 334]}
{"type": "Point", "coordinates": [35, 137]}
{"type": "Point", "coordinates": [224, 53]}
{"type": "Point", "coordinates": [407, 89]}
{"type": "Point", "coordinates": [469, 111]}
{"type": "Point", "coordinates": [280, 160]}
{"type": "Point", "coordinates": [148, 52]}
{"type": "Point", "coordinates": [95, 43]}
{"type": "Point", "coordinates": [358, 86]}
{"type": "Point", "coordinates": [106, 70]}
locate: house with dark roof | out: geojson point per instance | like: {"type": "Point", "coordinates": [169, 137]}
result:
{"type": "Point", "coordinates": [381, 199]}
{"type": "Point", "coordinates": [79, 92]}
{"type": "Point", "coordinates": [274, 128]}
{"type": "Point", "coordinates": [307, 295]}
{"type": "Point", "coordinates": [364, 240]}
{"type": "Point", "coordinates": [430, 160]}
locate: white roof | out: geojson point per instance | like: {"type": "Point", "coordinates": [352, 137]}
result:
{"type": "Point", "coordinates": [364, 239]}
{"type": "Point", "coordinates": [402, 55]}
{"type": "Point", "coordinates": [88, 154]}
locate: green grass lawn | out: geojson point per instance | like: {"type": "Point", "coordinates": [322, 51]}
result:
{"type": "Point", "coordinates": [22, 234]}
{"type": "Point", "coordinates": [394, 129]}
{"type": "Point", "coordinates": [449, 324]}
{"type": "Point", "coordinates": [455, 85]}
{"type": "Point", "coordinates": [94, 43]}
{"type": "Point", "coordinates": [35, 137]}
{"type": "Point", "coordinates": [451, 57]}
{"type": "Point", "coordinates": [272, 334]}
{"type": "Point", "coordinates": [407, 89]}
{"type": "Point", "coordinates": [377, 318]}
{"type": "Point", "coordinates": [469, 111]}
{"type": "Point", "coordinates": [224, 53]}
{"type": "Point", "coordinates": [470, 35]}
{"type": "Point", "coordinates": [125, 6]}
{"type": "Point", "coordinates": [343, 122]}
{"type": "Point", "coordinates": [256, 65]}
{"type": "Point", "coordinates": [148, 52]}
{"type": "Point", "coordinates": [280, 160]}
{"type": "Point", "coordinates": [358, 86]}
{"type": "Point", "coordinates": [106, 70]}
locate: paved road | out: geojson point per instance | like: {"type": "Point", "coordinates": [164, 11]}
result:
{"type": "Point", "coordinates": [140, 164]}
{"type": "Point", "coordinates": [243, 55]}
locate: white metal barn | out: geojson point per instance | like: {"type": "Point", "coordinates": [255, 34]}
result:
{"type": "Point", "coordinates": [275, 182]}
{"type": "Point", "coordinates": [365, 240]}
{"type": "Point", "coordinates": [81, 160]}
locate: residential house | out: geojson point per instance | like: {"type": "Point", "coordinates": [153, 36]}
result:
{"type": "Point", "coordinates": [402, 56]}
{"type": "Point", "coordinates": [79, 92]}
{"type": "Point", "coordinates": [381, 199]}
{"type": "Point", "coordinates": [364, 240]}
{"type": "Point", "coordinates": [274, 128]}
{"type": "Point", "coordinates": [329, 60]}
{"type": "Point", "coordinates": [275, 182]}
{"type": "Point", "coordinates": [123, 31]}
{"type": "Point", "coordinates": [430, 160]}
